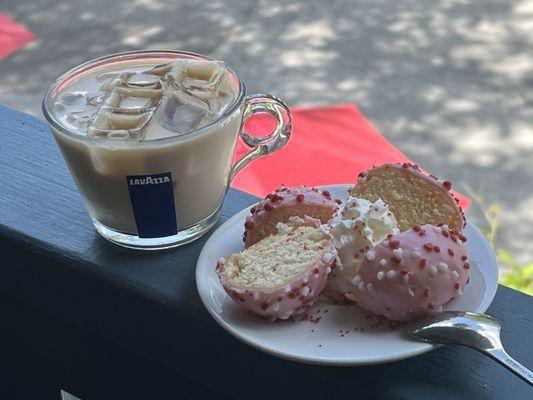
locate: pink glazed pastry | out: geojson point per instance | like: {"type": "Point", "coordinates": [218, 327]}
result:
{"type": "Point", "coordinates": [413, 273]}
{"type": "Point", "coordinates": [281, 275]}
{"type": "Point", "coordinates": [283, 204]}
{"type": "Point", "coordinates": [413, 196]}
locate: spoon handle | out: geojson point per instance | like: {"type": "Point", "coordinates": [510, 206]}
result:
{"type": "Point", "coordinates": [508, 362]}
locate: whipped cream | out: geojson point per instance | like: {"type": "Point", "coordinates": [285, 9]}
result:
{"type": "Point", "coordinates": [358, 226]}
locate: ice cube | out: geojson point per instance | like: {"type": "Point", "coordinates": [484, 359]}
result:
{"type": "Point", "coordinates": [107, 120]}
{"type": "Point", "coordinates": [121, 134]}
{"type": "Point", "coordinates": [143, 81]}
{"type": "Point", "coordinates": [96, 98]}
{"type": "Point", "coordinates": [184, 94]}
{"type": "Point", "coordinates": [127, 106]}
{"type": "Point", "coordinates": [113, 80]}
{"type": "Point", "coordinates": [207, 84]}
{"type": "Point", "coordinates": [71, 98]}
{"type": "Point", "coordinates": [140, 98]}
{"type": "Point", "coordinates": [201, 70]}
{"type": "Point", "coordinates": [160, 69]}
{"type": "Point", "coordinates": [178, 116]}
{"type": "Point", "coordinates": [79, 119]}
{"type": "Point", "coordinates": [58, 106]}
{"type": "Point", "coordinates": [137, 103]}
{"type": "Point", "coordinates": [203, 78]}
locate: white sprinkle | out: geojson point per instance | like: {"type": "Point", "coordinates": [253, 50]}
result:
{"type": "Point", "coordinates": [459, 292]}
{"type": "Point", "coordinates": [366, 232]}
{"type": "Point", "coordinates": [275, 306]}
{"type": "Point", "coordinates": [383, 262]}
{"type": "Point", "coordinates": [455, 275]}
{"type": "Point", "coordinates": [445, 227]}
{"type": "Point", "coordinates": [328, 269]}
{"type": "Point", "coordinates": [356, 280]}
{"type": "Point", "coordinates": [437, 229]}
{"type": "Point", "coordinates": [380, 275]}
{"type": "Point", "coordinates": [412, 291]}
{"type": "Point", "coordinates": [316, 276]}
{"type": "Point", "coordinates": [240, 290]}
{"type": "Point", "coordinates": [391, 274]}
{"type": "Point", "coordinates": [304, 291]}
{"type": "Point", "coordinates": [328, 257]}
{"type": "Point", "coordinates": [385, 243]}
{"type": "Point", "coordinates": [305, 278]}
{"type": "Point", "coordinates": [256, 295]}
{"type": "Point", "coordinates": [416, 255]}
{"type": "Point", "coordinates": [350, 296]}
{"type": "Point", "coordinates": [442, 267]}
{"type": "Point", "coordinates": [288, 288]}
{"type": "Point", "coordinates": [371, 255]}
{"type": "Point", "coordinates": [362, 286]}
{"type": "Point", "coordinates": [406, 278]}
{"type": "Point", "coordinates": [438, 309]}
{"type": "Point", "coordinates": [432, 270]}
{"type": "Point", "coordinates": [397, 252]}
{"type": "Point", "coordinates": [283, 316]}
{"type": "Point", "coordinates": [370, 287]}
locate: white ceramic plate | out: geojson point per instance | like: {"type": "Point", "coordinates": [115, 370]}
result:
{"type": "Point", "coordinates": [344, 335]}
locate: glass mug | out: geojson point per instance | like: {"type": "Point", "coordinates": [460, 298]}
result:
{"type": "Point", "coordinates": [163, 192]}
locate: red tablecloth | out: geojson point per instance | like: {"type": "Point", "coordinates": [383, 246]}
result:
{"type": "Point", "coordinates": [12, 36]}
{"type": "Point", "coordinates": [329, 145]}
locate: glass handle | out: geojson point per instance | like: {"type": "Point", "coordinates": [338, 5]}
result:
{"type": "Point", "coordinates": [262, 145]}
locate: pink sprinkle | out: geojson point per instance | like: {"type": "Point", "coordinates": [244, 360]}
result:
{"type": "Point", "coordinates": [394, 243]}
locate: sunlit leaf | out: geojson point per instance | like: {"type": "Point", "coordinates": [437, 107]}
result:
{"type": "Point", "coordinates": [506, 258]}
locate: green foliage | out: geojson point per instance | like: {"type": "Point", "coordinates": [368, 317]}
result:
{"type": "Point", "coordinates": [519, 277]}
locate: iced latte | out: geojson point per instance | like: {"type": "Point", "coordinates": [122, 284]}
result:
{"type": "Point", "coordinates": [149, 139]}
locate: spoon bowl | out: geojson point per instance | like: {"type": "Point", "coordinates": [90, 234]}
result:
{"type": "Point", "coordinates": [469, 329]}
{"type": "Point", "coordinates": [478, 331]}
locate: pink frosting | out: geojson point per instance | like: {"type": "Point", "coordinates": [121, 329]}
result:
{"type": "Point", "coordinates": [290, 298]}
{"type": "Point", "coordinates": [413, 273]}
{"type": "Point", "coordinates": [295, 200]}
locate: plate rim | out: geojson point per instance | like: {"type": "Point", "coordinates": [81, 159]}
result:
{"type": "Point", "coordinates": [488, 297]}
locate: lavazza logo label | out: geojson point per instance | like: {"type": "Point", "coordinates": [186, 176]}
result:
{"type": "Point", "coordinates": [149, 180]}
{"type": "Point", "coordinates": [152, 200]}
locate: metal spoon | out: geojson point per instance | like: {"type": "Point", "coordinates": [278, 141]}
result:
{"type": "Point", "coordinates": [478, 331]}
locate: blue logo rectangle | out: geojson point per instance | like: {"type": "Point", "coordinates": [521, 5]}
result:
{"type": "Point", "coordinates": [152, 199]}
